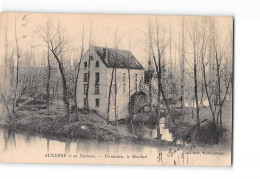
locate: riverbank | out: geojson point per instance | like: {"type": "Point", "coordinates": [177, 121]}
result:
{"type": "Point", "coordinates": [34, 119]}
{"type": "Point", "coordinates": [91, 126]}
{"type": "Point", "coordinates": [208, 134]}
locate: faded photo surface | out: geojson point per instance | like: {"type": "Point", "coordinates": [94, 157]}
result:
{"type": "Point", "coordinates": [116, 89]}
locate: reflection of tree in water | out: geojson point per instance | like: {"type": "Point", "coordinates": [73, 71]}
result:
{"type": "Point", "coordinates": [67, 146]}
{"type": "Point", "coordinates": [91, 146]}
{"type": "Point", "coordinates": [9, 138]}
{"type": "Point", "coordinates": [28, 138]}
{"type": "Point", "coordinates": [48, 145]}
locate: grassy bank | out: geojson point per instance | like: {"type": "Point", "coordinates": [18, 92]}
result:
{"type": "Point", "coordinates": [208, 134]}
{"type": "Point", "coordinates": [34, 119]}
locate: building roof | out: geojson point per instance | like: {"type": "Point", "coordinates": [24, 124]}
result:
{"type": "Point", "coordinates": [117, 57]}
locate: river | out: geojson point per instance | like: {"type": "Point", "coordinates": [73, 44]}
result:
{"type": "Point", "coordinates": [14, 145]}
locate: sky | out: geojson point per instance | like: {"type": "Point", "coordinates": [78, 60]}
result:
{"type": "Point", "coordinates": [103, 28]}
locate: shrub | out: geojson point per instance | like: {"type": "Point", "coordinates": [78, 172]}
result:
{"type": "Point", "coordinates": [209, 134]}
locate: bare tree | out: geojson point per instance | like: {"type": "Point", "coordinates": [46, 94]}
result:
{"type": "Point", "coordinates": [77, 69]}
{"type": "Point", "coordinates": [49, 68]}
{"type": "Point", "coordinates": [195, 40]}
{"type": "Point", "coordinates": [182, 70]}
{"type": "Point", "coordinates": [17, 66]}
{"type": "Point", "coordinates": [150, 76]}
{"type": "Point", "coordinates": [129, 82]}
{"type": "Point", "coordinates": [207, 85]}
{"type": "Point", "coordinates": [151, 41]}
{"type": "Point", "coordinates": [88, 74]}
{"type": "Point", "coordinates": [113, 78]}
{"type": "Point", "coordinates": [171, 76]}
{"type": "Point", "coordinates": [4, 96]}
{"type": "Point", "coordinates": [57, 45]}
{"type": "Point", "coordinates": [6, 60]}
{"type": "Point", "coordinates": [216, 92]}
{"type": "Point", "coordinates": [157, 41]}
{"type": "Point", "coordinates": [220, 53]}
{"type": "Point", "coordinates": [116, 43]}
{"type": "Point", "coordinates": [109, 93]}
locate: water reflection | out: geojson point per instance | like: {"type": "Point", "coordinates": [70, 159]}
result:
{"type": "Point", "coordinates": [164, 129]}
{"type": "Point", "coordinates": [48, 145]}
{"type": "Point", "coordinates": [67, 146]}
{"type": "Point", "coordinates": [150, 131]}
{"type": "Point", "coordinates": [9, 139]}
{"type": "Point", "coordinates": [14, 144]}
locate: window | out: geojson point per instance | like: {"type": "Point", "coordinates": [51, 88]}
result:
{"type": "Point", "coordinates": [97, 78]}
{"type": "Point", "coordinates": [123, 88]}
{"type": "Point", "coordinates": [85, 101]}
{"type": "Point", "coordinates": [97, 102]}
{"type": "Point", "coordinates": [91, 57]}
{"type": "Point", "coordinates": [85, 88]}
{"type": "Point", "coordinates": [97, 63]}
{"type": "Point", "coordinates": [135, 82]}
{"type": "Point", "coordinates": [97, 83]}
{"type": "Point", "coordinates": [124, 77]}
{"type": "Point", "coordinates": [85, 77]}
{"type": "Point", "coordinates": [85, 65]}
{"type": "Point", "coordinates": [96, 88]}
{"type": "Point", "coordinates": [123, 82]}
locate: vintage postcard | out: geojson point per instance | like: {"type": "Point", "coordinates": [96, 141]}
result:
{"type": "Point", "coordinates": [116, 89]}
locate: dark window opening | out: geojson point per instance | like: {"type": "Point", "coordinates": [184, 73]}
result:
{"type": "Point", "coordinates": [97, 78]}
{"type": "Point", "coordinates": [85, 101]}
{"type": "Point", "coordinates": [97, 102]}
{"type": "Point", "coordinates": [97, 63]}
{"type": "Point", "coordinates": [85, 88]}
{"type": "Point", "coordinates": [85, 65]}
{"type": "Point", "coordinates": [123, 77]}
{"type": "Point", "coordinates": [91, 57]}
{"type": "Point", "coordinates": [123, 88]}
{"type": "Point", "coordinates": [96, 88]}
{"type": "Point", "coordinates": [85, 77]}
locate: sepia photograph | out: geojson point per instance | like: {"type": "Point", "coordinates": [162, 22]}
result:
{"type": "Point", "coordinates": [116, 89]}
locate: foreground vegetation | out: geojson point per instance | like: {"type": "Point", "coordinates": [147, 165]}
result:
{"type": "Point", "coordinates": [34, 119]}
